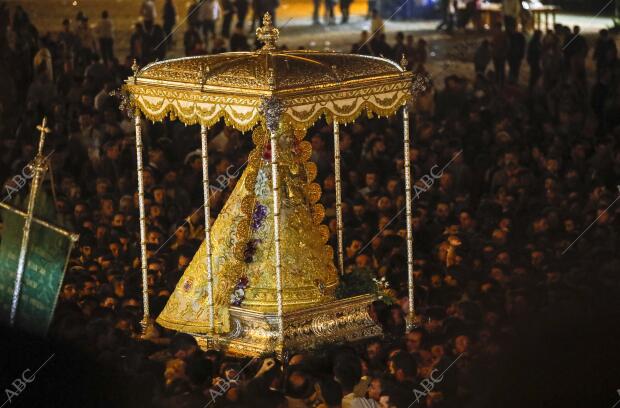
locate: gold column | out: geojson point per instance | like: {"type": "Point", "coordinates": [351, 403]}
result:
{"type": "Point", "coordinates": [408, 203]}
{"type": "Point", "coordinates": [205, 186]}
{"type": "Point", "coordinates": [39, 167]}
{"type": "Point", "coordinates": [276, 228]}
{"type": "Point", "coordinates": [143, 256]}
{"type": "Point", "coordinates": [338, 195]}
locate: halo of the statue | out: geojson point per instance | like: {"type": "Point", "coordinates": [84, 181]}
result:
{"type": "Point", "coordinates": [233, 85]}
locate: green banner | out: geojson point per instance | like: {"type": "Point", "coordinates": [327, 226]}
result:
{"type": "Point", "coordinates": [45, 267]}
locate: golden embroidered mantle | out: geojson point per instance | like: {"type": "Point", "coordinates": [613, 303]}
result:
{"type": "Point", "coordinates": [309, 274]}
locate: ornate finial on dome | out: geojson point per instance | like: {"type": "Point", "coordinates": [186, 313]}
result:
{"type": "Point", "coordinates": [403, 62]}
{"type": "Point", "coordinates": [268, 34]}
{"type": "Point", "coordinates": [135, 68]}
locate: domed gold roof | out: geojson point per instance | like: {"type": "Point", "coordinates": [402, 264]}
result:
{"type": "Point", "coordinates": [308, 84]}
{"type": "Point", "coordinates": [263, 72]}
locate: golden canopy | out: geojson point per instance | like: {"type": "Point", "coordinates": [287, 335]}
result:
{"type": "Point", "coordinates": [269, 234]}
{"type": "Point", "coordinates": [233, 85]}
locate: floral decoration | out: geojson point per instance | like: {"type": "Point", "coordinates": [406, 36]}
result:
{"type": "Point", "coordinates": [258, 216]}
{"type": "Point", "coordinates": [250, 250]}
{"type": "Point", "coordinates": [236, 298]}
{"type": "Point", "coordinates": [267, 152]}
{"type": "Point", "coordinates": [384, 292]}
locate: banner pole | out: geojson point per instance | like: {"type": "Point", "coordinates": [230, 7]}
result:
{"type": "Point", "coordinates": [38, 169]}
{"type": "Point", "coordinates": [71, 235]}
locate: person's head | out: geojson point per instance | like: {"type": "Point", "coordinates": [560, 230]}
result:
{"type": "Point", "coordinates": [85, 119]}
{"type": "Point", "coordinates": [503, 258]}
{"type": "Point", "coordinates": [296, 359]}
{"type": "Point", "coordinates": [374, 350]}
{"type": "Point", "coordinates": [112, 150]}
{"type": "Point", "coordinates": [159, 194]}
{"type": "Point", "coordinates": [181, 234]}
{"type": "Point", "coordinates": [87, 287]}
{"type": "Point", "coordinates": [375, 388]}
{"type": "Point", "coordinates": [329, 183]}
{"type": "Point", "coordinates": [540, 225]}
{"type": "Point", "coordinates": [378, 147]}
{"type": "Point", "coordinates": [183, 261]}
{"type": "Point", "coordinates": [87, 246]}
{"type": "Point", "coordinates": [576, 30]}
{"type": "Point", "coordinates": [109, 302]}
{"type": "Point", "coordinates": [462, 344]}
{"type": "Point", "coordinates": [466, 221]}
{"type": "Point", "coordinates": [104, 14]}
{"type": "Point", "coordinates": [603, 216]}
{"type": "Point", "coordinates": [346, 140]}
{"type": "Point", "coordinates": [371, 179]}
{"type": "Point", "coordinates": [403, 366]}
{"type": "Point", "coordinates": [347, 371]}
{"type": "Point", "coordinates": [384, 204]}
{"type": "Point", "coordinates": [442, 211]}
{"type": "Point", "coordinates": [106, 206]}
{"type": "Point", "coordinates": [359, 209]}
{"type": "Point", "coordinates": [362, 261]}
{"type": "Point", "coordinates": [318, 144]}
{"type": "Point", "coordinates": [537, 35]}
{"type": "Point", "coordinates": [537, 258]}
{"type": "Point", "coordinates": [393, 186]}
{"type": "Point", "coordinates": [156, 266]}
{"type": "Point", "coordinates": [199, 372]}
{"type": "Point", "coordinates": [183, 346]}
{"type": "Point", "coordinates": [299, 384]}
{"type": "Point", "coordinates": [80, 211]}
{"type": "Point", "coordinates": [156, 155]}
{"type": "Point", "coordinates": [175, 370]}
{"type": "Point", "coordinates": [69, 290]}
{"type": "Point", "coordinates": [154, 237]}
{"type": "Point", "coordinates": [331, 392]}
{"type": "Point", "coordinates": [414, 340]}
{"type": "Point", "coordinates": [83, 21]}
{"type": "Point", "coordinates": [446, 181]}
{"type": "Point", "coordinates": [148, 177]}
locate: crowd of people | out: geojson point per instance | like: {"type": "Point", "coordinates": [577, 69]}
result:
{"type": "Point", "coordinates": [513, 217]}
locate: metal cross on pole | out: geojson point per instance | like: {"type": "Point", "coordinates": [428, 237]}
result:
{"type": "Point", "coordinates": [39, 168]}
